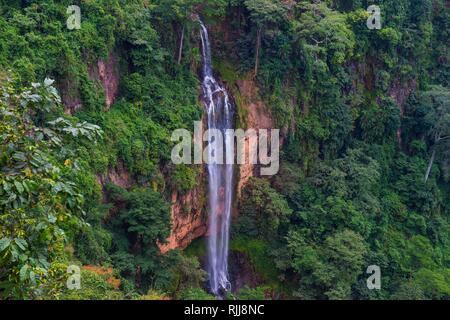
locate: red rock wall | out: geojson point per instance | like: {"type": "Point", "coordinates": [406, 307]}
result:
{"type": "Point", "coordinates": [189, 219]}
{"type": "Point", "coordinates": [104, 72]}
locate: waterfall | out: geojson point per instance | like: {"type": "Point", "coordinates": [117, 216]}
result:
{"type": "Point", "coordinates": [220, 116]}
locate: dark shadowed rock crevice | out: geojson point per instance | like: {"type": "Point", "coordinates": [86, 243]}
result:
{"type": "Point", "coordinates": [242, 272]}
{"type": "Point", "coordinates": [400, 92]}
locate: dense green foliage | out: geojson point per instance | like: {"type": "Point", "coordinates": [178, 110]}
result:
{"type": "Point", "coordinates": [41, 183]}
{"type": "Point", "coordinates": [364, 176]}
{"type": "Point", "coordinates": [354, 169]}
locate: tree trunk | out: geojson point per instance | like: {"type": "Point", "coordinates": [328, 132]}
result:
{"type": "Point", "coordinates": [180, 50]}
{"type": "Point", "coordinates": [258, 45]}
{"type": "Point", "coordinates": [430, 164]}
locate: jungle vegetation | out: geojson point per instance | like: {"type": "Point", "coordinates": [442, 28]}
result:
{"type": "Point", "coordinates": [364, 176]}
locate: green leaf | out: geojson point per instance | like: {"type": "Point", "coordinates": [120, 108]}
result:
{"type": "Point", "coordinates": [44, 263]}
{"type": "Point", "coordinates": [33, 277]}
{"type": "Point", "coordinates": [21, 243]}
{"type": "Point", "coordinates": [25, 186]}
{"type": "Point", "coordinates": [48, 82]}
{"type": "Point", "coordinates": [6, 186]}
{"type": "Point", "coordinates": [51, 218]}
{"type": "Point", "coordinates": [23, 272]}
{"type": "Point", "coordinates": [19, 186]}
{"type": "Point", "coordinates": [41, 225]}
{"type": "Point", "coordinates": [58, 187]}
{"type": "Point", "coordinates": [4, 243]}
{"type": "Point", "coordinates": [20, 156]}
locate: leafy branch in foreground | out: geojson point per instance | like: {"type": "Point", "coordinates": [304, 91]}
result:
{"type": "Point", "coordinates": [40, 202]}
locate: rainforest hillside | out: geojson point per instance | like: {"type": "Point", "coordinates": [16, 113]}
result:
{"type": "Point", "coordinates": [87, 183]}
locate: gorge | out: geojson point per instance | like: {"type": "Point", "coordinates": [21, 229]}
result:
{"type": "Point", "coordinates": [87, 117]}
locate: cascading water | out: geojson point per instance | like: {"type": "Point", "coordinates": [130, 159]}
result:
{"type": "Point", "coordinates": [220, 116]}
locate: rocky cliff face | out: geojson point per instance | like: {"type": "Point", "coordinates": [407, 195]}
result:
{"type": "Point", "coordinates": [118, 176]}
{"type": "Point", "coordinates": [257, 116]}
{"type": "Point", "coordinates": [400, 93]}
{"type": "Point", "coordinates": [189, 218]}
{"type": "Point", "coordinates": [189, 214]}
{"type": "Point", "coordinates": [189, 211]}
{"type": "Point", "coordinates": [105, 73]}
